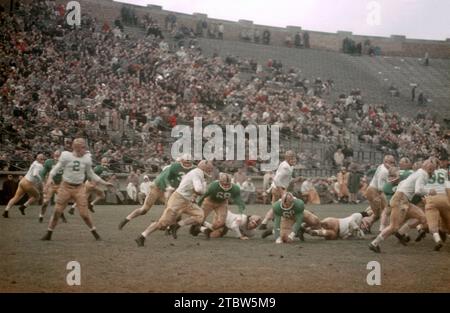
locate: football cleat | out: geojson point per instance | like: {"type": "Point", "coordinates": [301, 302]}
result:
{"type": "Point", "coordinates": [140, 241]}
{"type": "Point", "coordinates": [375, 249]}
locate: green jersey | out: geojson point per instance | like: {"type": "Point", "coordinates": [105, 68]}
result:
{"type": "Point", "coordinates": [295, 212]}
{"type": "Point", "coordinates": [389, 188]}
{"type": "Point", "coordinates": [102, 171]}
{"type": "Point", "coordinates": [171, 176]}
{"type": "Point", "coordinates": [404, 174]}
{"type": "Point", "coordinates": [48, 165]}
{"type": "Point", "coordinates": [219, 195]}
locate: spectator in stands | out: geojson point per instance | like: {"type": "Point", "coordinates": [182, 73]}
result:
{"type": "Point", "coordinates": [221, 30]}
{"type": "Point", "coordinates": [306, 39]}
{"type": "Point", "coordinates": [4, 165]}
{"type": "Point", "coordinates": [248, 191]}
{"type": "Point", "coordinates": [421, 99]}
{"type": "Point", "coordinates": [288, 40]}
{"type": "Point", "coordinates": [266, 37]}
{"type": "Point", "coordinates": [342, 180]}
{"type": "Point", "coordinates": [256, 35]}
{"type": "Point", "coordinates": [297, 40]}
{"type": "Point", "coordinates": [394, 91]}
{"type": "Point", "coordinates": [170, 22]}
{"type": "Point", "coordinates": [132, 193]}
{"type": "Point", "coordinates": [133, 178]}
{"type": "Point", "coordinates": [413, 92]}
{"type": "Point", "coordinates": [339, 158]}
{"type": "Point", "coordinates": [354, 181]}
{"type": "Point", "coordinates": [113, 193]}
{"type": "Point", "coordinates": [325, 190]}
{"type": "Point", "coordinates": [240, 176]}
{"type": "Point", "coordinates": [9, 188]}
{"type": "Point", "coordinates": [144, 189]}
{"type": "Point", "coordinates": [309, 192]}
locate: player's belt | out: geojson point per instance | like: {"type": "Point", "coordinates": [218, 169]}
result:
{"type": "Point", "coordinates": [73, 185]}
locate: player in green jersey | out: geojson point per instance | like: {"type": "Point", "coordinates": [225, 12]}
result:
{"type": "Point", "coordinates": [168, 179]}
{"type": "Point", "coordinates": [102, 171]}
{"type": "Point", "coordinates": [216, 199]}
{"type": "Point", "coordinates": [288, 217]}
{"type": "Point", "coordinates": [49, 191]}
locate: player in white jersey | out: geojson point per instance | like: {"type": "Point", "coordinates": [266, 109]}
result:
{"type": "Point", "coordinates": [436, 183]}
{"type": "Point", "coordinates": [374, 192]}
{"type": "Point", "coordinates": [395, 176]}
{"type": "Point", "coordinates": [335, 228]}
{"type": "Point", "coordinates": [77, 166]}
{"type": "Point", "coordinates": [30, 185]}
{"type": "Point", "coordinates": [437, 207]}
{"type": "Point", "coordinates": [243, 225]}
{"type": "Point", "coordinates": [402, 208]}
{"type": "Point", "coordinates": [182, 201]}
{"type": "Point", "coordinates": [280, 183]}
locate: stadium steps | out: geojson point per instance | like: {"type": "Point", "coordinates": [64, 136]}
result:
{"type": "Point", "coordinates": [349, 72]}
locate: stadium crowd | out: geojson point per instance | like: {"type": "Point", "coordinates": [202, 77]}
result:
{"type": "Point", "coordinates": [125, 94]}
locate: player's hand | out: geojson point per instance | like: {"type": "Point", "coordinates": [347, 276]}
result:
{"type": "Point", "coordinates": [244, 238]}
{"type": "Point", "coordinates": [109, 185]}
{"type": "Point", "coordinates": [291, 236]}
{"type": "Point", "coordinates": [279, 240]}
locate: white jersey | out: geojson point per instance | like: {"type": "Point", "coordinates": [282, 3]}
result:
{"type": "Point", "coordinates": [414, 184]}
{"type": "Point", "coordinates": [76, 169]}
{"type": "Point", "coordinates": [379, 178]}
{"type": "Point", "coordinates": [349, 226]}
{"type": "Point", "coordinates": [306, 187]}
{"type": "Point", "coordinates": [238, 223]}
{"type": "Point", "coordinates": [33, 174]}
{"type": "Point", "coordinates": [194, 180]}
{"type": "Point", "coordinates": [438, 181]}
{"type": "Point", "coordinates": [283, 176]}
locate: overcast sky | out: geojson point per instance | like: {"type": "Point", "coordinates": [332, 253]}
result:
{"type": "Point", "coordinates": [424, 19]}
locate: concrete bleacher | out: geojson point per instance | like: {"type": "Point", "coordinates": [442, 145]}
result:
{"type": "Point", "coordinates": [373, 75]}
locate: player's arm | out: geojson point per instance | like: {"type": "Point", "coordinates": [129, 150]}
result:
{"type": "Point", "coordinates": [37, 173]}
{"type": "Point", "coordinates": [170, 174]}
{"type": "Point", "coordinates": [276, 230]}
{"type": "Point", "coordinates": [419, 188]}
{"type": "Point", "coordinates": [94, 177]}
{"type": "Point", "coordinates": [298, 219]}
{"type": "Point", "coordinates": [208, 192]}
{"type": "Point", "coordinates": [45, 170]}
{"type": "Point", "coordinates": [62, 162]}
{"type": "Point", "coordinates": [355, 228]}
{"type": "Point", "coordinates": [382, 178]}
{"type": "Point", "coordinates": [237, 200]}
{"type": "Point", "coordinates": [199, 188]}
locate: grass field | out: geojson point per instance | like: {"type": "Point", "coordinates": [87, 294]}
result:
{"type": "Point", "coordinates": [195, 264]}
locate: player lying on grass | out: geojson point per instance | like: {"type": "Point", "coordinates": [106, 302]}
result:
{"type": "Point", "coordinates": [334, 228]}
{"type": "Point", "coordinates": [243, 226]}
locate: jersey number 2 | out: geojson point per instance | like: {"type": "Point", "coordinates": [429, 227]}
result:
{"type": "Point", "coordinates": [76, 166]}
